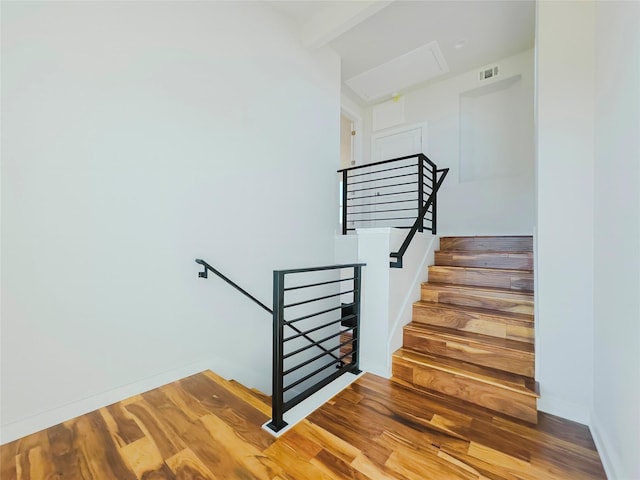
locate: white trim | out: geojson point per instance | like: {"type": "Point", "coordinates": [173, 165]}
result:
{"type": "Point", "coordinates": [397, 130]}
{"type": "Point", "coordinates": [410, 299]}
{"type": "Point", "coordinates": [357, 125]}
{"type": "Point", "coordinates": [28, 425]}
{"type": "Point", "coordinates": [315, 401]}
{"type": "Point", "coordinates": [608, 455]}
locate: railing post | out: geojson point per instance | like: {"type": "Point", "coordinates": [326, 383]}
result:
{"type": "Point", "coordinates": [355, 345]}
{"type": "Point", "coordinates": [420, 189]}
{"type": "Point", "coordinates": [434, 205]}
{"type": "Point", "coordinates": [277, 395]}
{"type": "Point", "coordinates": [344, 202]}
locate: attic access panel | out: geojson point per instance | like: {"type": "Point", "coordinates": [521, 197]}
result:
{"type": "Point", "coordinates": [418, 66]}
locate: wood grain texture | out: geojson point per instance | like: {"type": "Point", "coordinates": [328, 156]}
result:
{"type": "Point", "coordinates": [507, 260]}
{"type": "Point", "coordinates": [507, 394]}
{"type": "Point", "coordinates": [519, 280]}
{"type": "Point", "coordinates": [508, 355]}
{"type": "Point", "coordinates": [498, 299]}
{"type": "Point", "coordinates": [206, 428]}
{"type": "Point", "coordinates": [472, 333]}
{"type": "Point", "coordinates": [512, 326]}
{"type": "Point", "coordinates": [488, 243]}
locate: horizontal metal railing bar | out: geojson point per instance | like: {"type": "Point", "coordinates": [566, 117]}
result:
{"type": "Point", "coordinates": [313, 359]}
{"type": "Point", "coordinates": [288, 289]}
{"type": "Point", "coordinates": [304, 302]}
{"type": "Point", "coordinates": [383, 219]}
{"type": "Point", "coordinates": [311, 345]}
{"type": "Point", "coordinates": [382, 170]}
{"type": "Point", "coordinates": [384, 178]}
{"type": "Point", "coordinates": [364, 174]}
{"type": "Point", "coordinates": [383, 211]}
{"type": "Point", "coordinates": [311, 315]}
{"type": "Point", "coordinates": [382, 203]}
{"type": "Point", "coordinates": [288, 405]}
{"type": "Point", "coordinates": [382, 195]}
{"type": "Point", "coordinates": [314, 373]}
{"type": "Point", "coordinates": [382, 162]}
{"type": "Point", "coordinates": [394, 226]}
{"type": "Point", "coordinates": [380, 186]}
{"type": "Point", "coordinates": [318, 269]}
{"type": "Point", "coordinates": [315, 329]}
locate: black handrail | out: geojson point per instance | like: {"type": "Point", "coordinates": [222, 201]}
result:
{"type": "Point", "coordinates": [349, 318]}
{"type": "Point", "coordinates": [203, 274]}
{"type": "Point", "coordinates": [416, 226]}
{"type": "Point", "coordinates": [380, 162]}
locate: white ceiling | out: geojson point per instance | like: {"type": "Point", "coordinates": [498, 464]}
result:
{"type": "Point", "coordinates": [369, 33]}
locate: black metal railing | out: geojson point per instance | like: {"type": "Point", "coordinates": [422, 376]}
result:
{"type": "Point", "coordinates": [323, 302]}
{"type": "Point", "coordinates": [399, 193]}
{"type": "Point", "coordinates": [323, 314]}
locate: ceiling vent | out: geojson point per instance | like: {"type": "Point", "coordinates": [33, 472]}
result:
{"type": "Point", "coordinates": [490, 72]}
{"type": "Point", "coordinates": [417, 66]}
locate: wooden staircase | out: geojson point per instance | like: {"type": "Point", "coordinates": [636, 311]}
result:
{"type": "Point", "coordinates": [472, 332]}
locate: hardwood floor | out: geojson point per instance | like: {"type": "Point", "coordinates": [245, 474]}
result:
{"type": "Point", "coordinates": [203, 427]}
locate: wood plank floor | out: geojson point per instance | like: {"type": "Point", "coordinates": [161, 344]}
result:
{"type": "Point", "coordinates": [203, 427]}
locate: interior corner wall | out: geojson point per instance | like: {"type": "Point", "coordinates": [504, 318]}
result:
{"type": "Point", "coordinates": [503, 204]}
{"type": "Point", "coordinates": [565, 201]}
{"type": "Point", "coordinates": [616, 413]}
{"type": "Point", "coordinates": [136, 137]}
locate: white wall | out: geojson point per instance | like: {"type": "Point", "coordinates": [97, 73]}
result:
{"type": "Point", "coordinates": [503, 204]}
{"type": "Point", "coordinates": [565, 175]}
{"type": "Point", "coordinates": [137, 137]}
{"type": "Point", "coordinates": [616, 414]}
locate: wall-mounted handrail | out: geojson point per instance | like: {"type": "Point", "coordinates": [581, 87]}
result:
{"type": "Point", "coordinates": [208, 267]}
{"type": "Point", "coordinates": [430, 201]}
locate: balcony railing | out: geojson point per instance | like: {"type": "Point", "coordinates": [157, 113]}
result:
{"type": "Point", "coordinates": [399, 193]}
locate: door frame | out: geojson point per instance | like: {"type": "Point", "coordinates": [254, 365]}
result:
{"type": "Point", "coordinates": [398, 130]}
{"type": "Point", "coordinates": [356, 148]}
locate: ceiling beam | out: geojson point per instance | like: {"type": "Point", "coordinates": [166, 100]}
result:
{"type": "Point", "coordinates": [335, 21]}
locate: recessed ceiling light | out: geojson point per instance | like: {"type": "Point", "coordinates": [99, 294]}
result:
{"type": "Point", "coordinates": [460, 43]}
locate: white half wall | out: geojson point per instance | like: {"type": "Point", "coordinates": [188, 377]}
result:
{"type": "Point", "coordinates": [565, 176]}
{"type": "Point", "coordinates": [388, 293]}
{"type": "Point", "coordinates": [615, 421]}
{"type": "Point", "coordinates": [136, 137]}
{"type": "Point", "coordinates": [493, 119]}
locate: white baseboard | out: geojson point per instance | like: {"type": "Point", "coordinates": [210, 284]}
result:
{"type": "Point", "coordinates": [608, 455]}
{"type": "Point", "coordinates": [35, 423]}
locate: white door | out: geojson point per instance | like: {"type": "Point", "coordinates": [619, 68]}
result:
{"type": "Point", "coordinates": [386, 146]}
{"type": "Point", "coordinates": [397, 144]}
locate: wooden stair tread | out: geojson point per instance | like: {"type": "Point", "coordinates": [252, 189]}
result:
{"type": "Point", "coordinates": [484, 243]}
{"type": "Point", "coordinates": [468, 337]}
{"type": "Point", "coordinates": [509, 381]}
{"type": "Point", "coordinates": [495, 291]}
{"type": "Point", "coordinates": [514, 317]}
{"type": "Point", "coordinates": [497, 271]}
{"type": "Point", "coordinates": [487, 252]}
{"type": "Point", "coordinates": [485, 259]}
{"type": "Point", "coordinates": [253, 397]}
